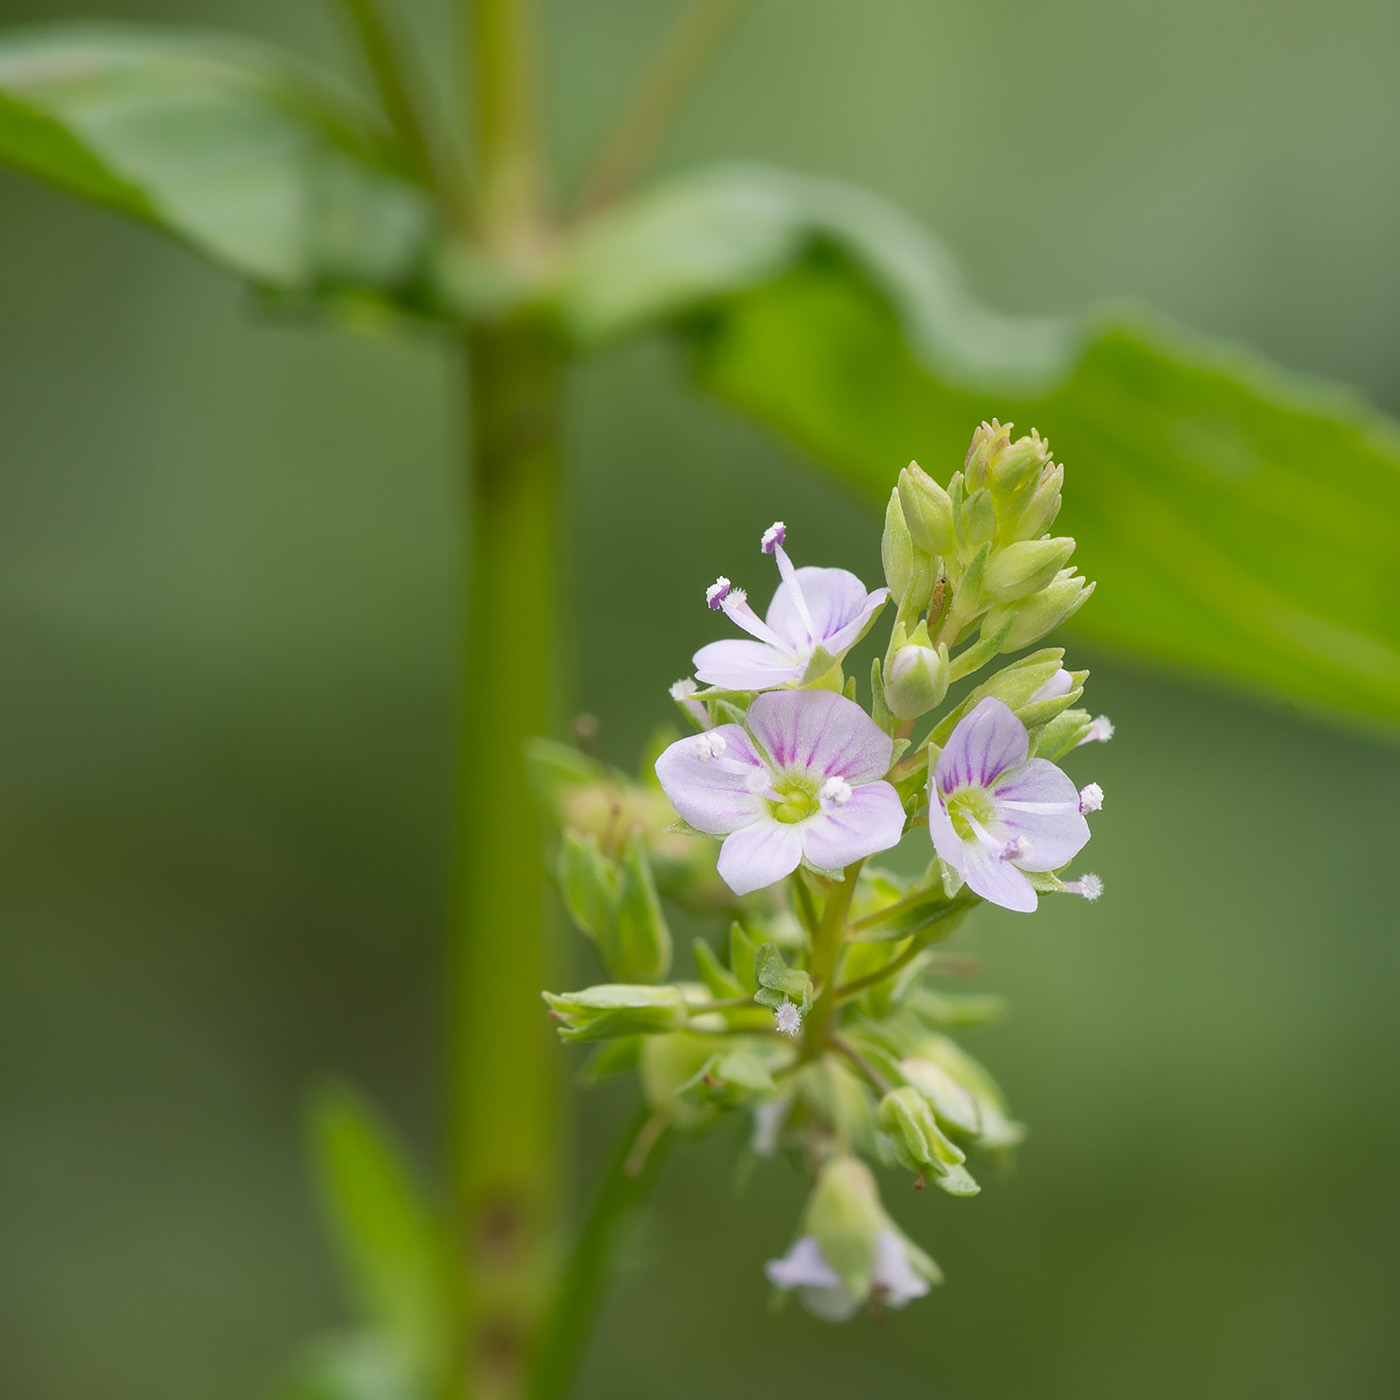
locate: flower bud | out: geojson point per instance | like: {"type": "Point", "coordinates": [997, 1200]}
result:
{"type": "Point", "coordinates": [917, 679]}
{"type": "Point", "coordinates": [927, 510]}
{"type": "Point", "coordinates": [602, 1013]}
{"type": "Point", "coordinates": [909, 570]}
{"type": "Point", "coordinates": [844, 1215]}
{"type": "Point", "coordinates": [989, 441]}
{"type": "Point", "coordinates": [1063, 733]}
{"type": "Point", "coordinates": [1025, 567]}
{"type": "Point", "coordinates": [1031, 618]}
{"type": "Point", "coordinates": [907, 1117]}
{"type": "Point", "coordinates": [975, 522]}
{"type": "Point", "coordinates": [1032, 513]}
{"type": "Point", "coordinates": [639, 946]}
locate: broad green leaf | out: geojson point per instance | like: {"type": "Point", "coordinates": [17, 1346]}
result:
{"type": "Point", "coordinates": [387, 1237]}
{"type": "Point", "coordinates": [352, 1366]}
{"type": "Point", "coordinates": [231, 148]}
{"type": "Point", "coordinates": [1240, 520]}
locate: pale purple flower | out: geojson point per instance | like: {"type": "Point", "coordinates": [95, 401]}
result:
{"type": "Point", "coordinates": [816, 613]}
{"type": "Point", "coordinates": [994, 813]}
{"type": "Point", "coordinates": [1061, 683]}
{"type": "Point", "coordinates": [803, 781]}
{"type": "Point", "coordinates": [893, 1280]}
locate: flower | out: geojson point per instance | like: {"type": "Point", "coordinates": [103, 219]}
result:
{"type": "Point", "coordinates": [893, 1280]}
{"type": "Point", "coordinates": [817, 615]}
{"type": "Point", "coordinates": [993, 813]}
{"type": "Point", "coordinates": [803, 781]}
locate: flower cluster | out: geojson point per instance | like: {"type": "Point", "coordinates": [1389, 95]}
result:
{"type": "Point", "coordinates": [825, 1017]}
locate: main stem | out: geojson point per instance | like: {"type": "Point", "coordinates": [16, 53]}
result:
{"type": "Point", "coordinates": [504, 1092]}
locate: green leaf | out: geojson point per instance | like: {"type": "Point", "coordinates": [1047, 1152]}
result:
{"type": "Point", "coordinates": [234, 149]}
{"type": "Point", "coordinates": [1240, 520]}
{"type": "Point", "coordinates": [387, 1237]}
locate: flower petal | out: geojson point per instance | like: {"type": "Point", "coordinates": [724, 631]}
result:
{"type": "Point", "coordinates": [981, 748]}
{"type": "Point", "coordinates": [893, 1280]}
{"type": "Point", "coordinates": [740, 665]}
{"type": "Point", "coordinates": [821, 733]}
{"type": "Point", "coordinates": [834, 599]}
{"type": "Point", "coordinates": [870, 820]}
{"type": "Point", "coordinates": [946, 841]}
{"type": "Point", "coordinates": [759, 855]}
{"type": "Point", "coordinates": [996, 880]}
{"type": "Point", "coordinates": [801, 1267]}
{"type": "Point", "coordinates": [1040, 803]}
{"type": "Point", "coordinates": [714, 795]}
{"type": "Point", "coordinates": [840, 642]}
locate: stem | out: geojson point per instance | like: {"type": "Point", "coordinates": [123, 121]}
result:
{"type": "Point", "coordinates": [643, 122]}
{"type": "Point", "coordinates": [629, 1178]}
{"type": "Point", "coordinates": [504, 1097]}
{"type": "Point", "coordinates": [826, 954]}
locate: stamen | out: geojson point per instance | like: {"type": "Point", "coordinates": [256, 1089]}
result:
{"type": "Point", "coordinates": [708, 746]}
{"type": "Point", "coordinates": [835, 790]}
{"type": "Point", "coordinates": [1016, 848]}
{"type": "Point", "coordinates": [789, 1017]}
{"type": "Point", "coordinates": [773, 537]}
{"type": "Point", "coordinates": [1090, 798]}
{"type": "Point", "coordinates": [683, 690]}
{"type": "Point", "coordinates": [717, 592]}
{"type": "Point", "coordinates": [1100, 731]}
{"type": "Point", "coordinates": [1089, 887]}
{"type": "Point", "coordinates": [757, 780]}
{"type": "Point", "coordinates": [789, 577]}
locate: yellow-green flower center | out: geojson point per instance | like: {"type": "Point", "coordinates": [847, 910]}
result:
{"type": "Point", "coordinates": [797, 798]}
{"type": "Point", "coordinates": [966, 806]}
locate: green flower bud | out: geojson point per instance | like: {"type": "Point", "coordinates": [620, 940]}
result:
{"type": "Point", "coordinates": [1025, 567]}
{"type": "Point", "coordinates": [1032, 513]}
{"type": "Point", "coordinates": [975, 521]}
{"type": "Point", "coordinates": [996, 1131]}
{"type": "Point", "coordinates": [927, 510]}
{"type": "Point", "coordinates": [917, 679]}
{"type": "Point", "coordinates": [907, 1117]}
{"type": "Point", "coordinates": [989, 441]}
{"type": "Point", "coordinates": [1031, 618]}
{"type": "Point", "coordinates": [844, 1216]}
{"type": "Point", "coordinates": [1063, 733]}
{"type": "Point", "coordinates": [603, 1013]}
{"type": "Point", "coordinates": [909, 570]}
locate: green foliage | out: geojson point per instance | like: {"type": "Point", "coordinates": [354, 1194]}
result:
{"type": "Point", "coordinates": [235, 150]}
{"type": "Point", "coordinates": [1240, 520]}
{"type": "Point", "coordinates": [389, 1245]}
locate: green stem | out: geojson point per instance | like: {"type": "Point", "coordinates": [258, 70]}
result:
{"type": "Point", "coordinates": [629, 1179]}
{"type": "Point", "coordinates": [504, 1064]}
{"type": "Point", "coordinates": [826, 955]}
{"type": "Point", "coordinates": [666, 85]}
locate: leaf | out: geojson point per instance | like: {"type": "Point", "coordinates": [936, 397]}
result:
{"type": "Point", "coordinates": [1240, 520]}
{"type": "Point", "coordinates": [387, 1237]}
{"type": "Point", "coordinates": [234, 149]}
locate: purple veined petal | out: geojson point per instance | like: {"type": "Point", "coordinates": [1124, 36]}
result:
{"type": "Point", "coordinates": [893, 1278]}
{"type": "Point", "coordinates": [714, 794]}
{"type": "Point", "coordinates": [759, 855]}
{"type": "Point", "coordinates": [822, 733]}
{"type": "Point", "coordinates": [834, 598]}
{"type": "Point", "coordinates": [739, 665]}
{"type": "Point", "coordinates": [843, 640]}
{"type": "Point", "coordinates": [997, 881]}
{"type": "Point", "coordinates": [1040, 803]}
{"type": "Point", "coordinates": [981, 748]}
{"type": "Point", "coordinates": [946, 840]}
{"type": "Point", "coordinates": [870, 820]}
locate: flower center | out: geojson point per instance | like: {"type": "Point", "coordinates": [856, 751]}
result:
{"type": "Point", "coordinates": [796, 798]}
{"type": "Point", "coordinates": [969, 802]}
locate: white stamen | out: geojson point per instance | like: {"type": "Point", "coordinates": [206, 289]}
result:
{"type": "Point", "coordinates": [1090, 798]}
{"type": "Point", "coordinates": [835, 790]}
{"type": "Point", "coordinates": [1100, 731]}
{"type": "Point", "coordinates": [708, 746]}
{"type": "Point", "coordinates": [1016, 848]}
{"type": "Point", "coordinates": [789, 1017]}
{"type": "Point", "coordinates": [683, 690]}
{"type": "Point", "coordinates": [773, 537]}
{"type": "Point", "coordinates": [756, 780]}
{"type": "Point", "coordinates": [717, 592]}
{"type": "Point", "coordinates": [1090, 887]}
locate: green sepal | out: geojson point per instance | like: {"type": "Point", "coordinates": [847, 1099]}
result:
{"type": "Point", "coordinates": [722, 983]}
{"type": "Point", "coordinates": [612, 1010]}
{"type": "Point", "coordinates": [587, 882]}
{"type": "Point", "coordinates": [777, 982]}
{"type": "Point", "coordinates": [640, 949]}
{"type": "Point", "coordinates": [1063, 733]}
{"type": "Point", "coordinates": [907, 1117]}
{"type": "Point", "coordinates": [742, 952]}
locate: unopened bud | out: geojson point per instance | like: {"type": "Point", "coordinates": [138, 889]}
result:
{"type": "Point", "coordinates": [907, 1118]}
{"type": "Point", "coordinates": [927, 510]}
{"type": "Point", "coordinates": [917, 679]}
{"type": "Point", "coordinates": [909, 570]}
{"type": "Point", "coordinates": [1025, 567]}
{"type": "Point", "coordinates": [602, 1013]}
{"type": "Point", "coordinates": [989, 441]}
{"type": "Point", "coordinates": [1031, 618]}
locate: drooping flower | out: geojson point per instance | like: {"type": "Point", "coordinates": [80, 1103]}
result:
{"type": "Point", "coordinates": [816, 617]}
{"type": "Point", "coordinates": [994, 812]}
{"type": "Point", "coordinates": [804, 1270]}
{"type": "Point", "coordinates": [804, 780]}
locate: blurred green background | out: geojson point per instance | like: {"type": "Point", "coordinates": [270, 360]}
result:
{"type": "Point", "coordinates": [227, 611]}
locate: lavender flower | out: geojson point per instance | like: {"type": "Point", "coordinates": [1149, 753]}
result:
{"type": "Point", "coordinates": [893, 1280]}
{"type": "Point", "coordinates": [815, 618]}
{"type": "Point", "coordinates": [994, 814]}
{"type": "Point", "coordinates": [804, 781]}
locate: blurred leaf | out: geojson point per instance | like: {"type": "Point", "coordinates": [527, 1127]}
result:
{"type": "Point", "coordinates": [387, 1237]}
{"type": "Point", "coordinates": [231, 148]}
{"type": "Point", "coordinates": [356, 1366]}
{"type": "Point", "coordinates": [1240, 520]}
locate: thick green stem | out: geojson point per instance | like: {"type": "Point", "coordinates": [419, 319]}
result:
{"type": "Point", "coordinates": [826, 957]}
{"type": "Point", "coordinates": [504, 1107]}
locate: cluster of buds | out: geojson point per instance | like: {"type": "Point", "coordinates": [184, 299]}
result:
{"type": "Point", "coordinates": [825, 1016]}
